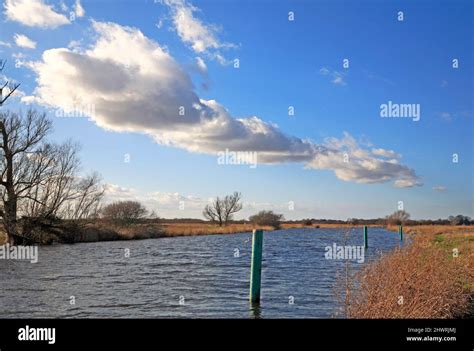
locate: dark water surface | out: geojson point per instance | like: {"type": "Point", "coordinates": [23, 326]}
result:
{"type": "Point", "coordinates": [200, 271]}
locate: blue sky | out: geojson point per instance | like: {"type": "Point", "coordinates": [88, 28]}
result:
{"type": "Point", "coordinates": [173, 166]}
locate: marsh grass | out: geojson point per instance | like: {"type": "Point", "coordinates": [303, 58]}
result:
{"type": "Point", "coordinates": [420, 280]}
{"type": "Point", "coordinates": [202, 228]}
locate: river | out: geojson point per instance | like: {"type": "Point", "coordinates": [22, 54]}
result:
{"type": "Point", "coordinates": [184, 277]}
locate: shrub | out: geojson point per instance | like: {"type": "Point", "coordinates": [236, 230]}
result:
{"type": "Point", "coordinates": [267, 218]}
{"type": "Point", "coordinates": [124, 212]}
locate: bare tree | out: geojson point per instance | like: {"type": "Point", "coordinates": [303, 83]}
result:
{"type": "Point", "coordinates": [398, 217]}
{"type": "Point", "coordinates": [222, 210]}
{"type": "Point", "coordinates": [214, 212]}
{"type": "Point", "coordinates": [8, 88]}
{"type": "Point", "coordinates": [124, 212]}
{"type": "Point", "coordinates": [26, 161]}
{"type": "Point", "coordinates": [65, 194]}
{"type": "Point", "coordinates": [86, 199]}
{"type": "Point", "coordinates": [45, 199]}
{"type": "Point", "coordinates": [39, 179]}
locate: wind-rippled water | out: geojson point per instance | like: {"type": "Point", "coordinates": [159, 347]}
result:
{"type": "Point", "coordinates": [197, 277]}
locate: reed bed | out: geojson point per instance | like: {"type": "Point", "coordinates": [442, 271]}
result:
{"type": "Point", "coordinates": [424, 279]}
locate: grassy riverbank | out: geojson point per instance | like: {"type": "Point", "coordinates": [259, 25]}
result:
{"type": "Point", "coordinates": [105, 231]}
{"type": "Point", "coordinates": [64, 232]}
{"type": "Point", "coordinates": [433, 277]}
{"type": "Point", "coordinates": [205, 228]}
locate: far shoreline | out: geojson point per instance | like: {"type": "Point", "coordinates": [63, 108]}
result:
{"type": "Point", "coordinates": [105, 232]}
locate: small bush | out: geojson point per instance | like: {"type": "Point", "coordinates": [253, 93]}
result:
{"type": "Point", "coordinates": [124, 212]}
{"type": "Point", "coordinates": [267, 218]}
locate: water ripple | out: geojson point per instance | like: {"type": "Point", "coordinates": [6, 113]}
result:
{"type": "Point", "coordinates": [182, 277]}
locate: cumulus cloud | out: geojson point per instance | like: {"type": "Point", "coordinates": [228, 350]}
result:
{"type": "Point", "coordinates": [386, 153]}
{"type": "Point", "coordinates": [132, 84]}
{"type": "Point", "coordinates": [351, 162]}
{"type": "Point", "coordinates": [34, 13]}
{"type": "Point", "coordinates": [24, 42]}
{"type": "Point", "coordinates": [201, 37]}
{"type": "Point", "coordinates": [114, 192]}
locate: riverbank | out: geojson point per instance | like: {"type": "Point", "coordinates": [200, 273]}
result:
{"type": "Point", "coordinates": [174, 228]}
{"type": "Point", "coordinates": [102, 231]}
{"type": "Point", "coordinates": [66, 232]}
{"type": "Point", "coordinates": [432, 277]}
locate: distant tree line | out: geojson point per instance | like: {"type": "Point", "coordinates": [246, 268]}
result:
{"type": "Point", "coordinates": [398, 217]}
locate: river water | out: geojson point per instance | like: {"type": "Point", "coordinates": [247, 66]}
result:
{"type": "Point", "coordinates": [184, 277]}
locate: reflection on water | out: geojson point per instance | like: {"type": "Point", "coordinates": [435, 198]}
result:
{"type": "Point", "coordinates": [255, 311]}
{"type": "Point", "coordinates": [182, 277]}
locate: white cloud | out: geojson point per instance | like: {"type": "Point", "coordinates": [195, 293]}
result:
{"type": "Point", "coordinates": [324, 71]}
{"type": "Point", "coordinates": [439, 188]}
{"type": "Point", "coordinates": [24, 42]}
{"type": "Point", "coordinates": [201, 37]}
{"type": "Point", "coordinates": [406, 183]}
{"type": "Point", "coordinates": [4, 43]}
{"type": "Point", "coordinates": [167, 205]}
{"type": "Point", "coordinates": [20, 56]}
{"type": "Point", "coordinates": [63, 6]}
{"type": "Point", "coordinates": [351, 162]}
{"type": "Point", "coordinates": [75, 45]}
{"type": "Point", "coordinates": [114, 192]}
{"type": "Point", "coordinates": [78, 9]}
{"type": "Point", "coordinates": [337, 77]}
{"type": "Point", "coordinates": [29, 99]}
{"type": "Point", "coordinates": [386, 153]}
{"type": "Point", "coordinates": [201, 65]}
{"type": "Point", "coordinates": [174, 204]}
{"type": "Point", "coordinates": [134, 85]}
{"type": "Point", "coordinates": [33, 13]}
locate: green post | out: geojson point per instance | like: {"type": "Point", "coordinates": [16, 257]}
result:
{"type": "Point", "coordinates": [366, 239]}
{"type": "Point", "coordinates": [256, 265]}
{"type": "Point", "coordinates": [400, 231]}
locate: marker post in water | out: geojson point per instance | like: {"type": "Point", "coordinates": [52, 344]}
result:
{"type": "Point", "coordinates": [400, 231]}
{"type": "Point", "coordinates": [366, 239]}
{"type": "Point", "coordinates": [256, 265]}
